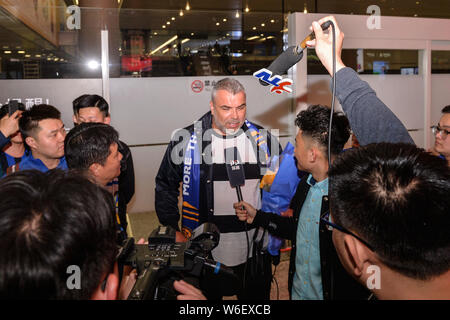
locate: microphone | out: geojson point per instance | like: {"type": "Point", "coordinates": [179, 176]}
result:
{"type": "Point", "coordinates": [235, 170]}
{"type": "Point", "coordinates": [291, 55]}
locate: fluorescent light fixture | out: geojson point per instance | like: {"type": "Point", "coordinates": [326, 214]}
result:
{"type": "Point", "coordinates": [164, 44]}
{"type": "Point", "coordinates": [185, 40]}
{"type": "Point", "coordinates": [21, 52]}
{"type": "Point", "coordinates": [165, 50]}
{"type": "Point", "coordinates": [252, 38]}
{"type": "Point", "coordinates": [7, 52]}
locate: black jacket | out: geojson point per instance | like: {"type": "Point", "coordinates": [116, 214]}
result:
{"type": "Point", "coordinates": [336, 283]}
{"type": "Point", "coordinates": [170, 175]}
{"type": "Point", "coordinates": [126, 182]}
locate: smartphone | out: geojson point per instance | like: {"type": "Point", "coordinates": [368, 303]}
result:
{"type": "Point", "coordinates": [13, 106]}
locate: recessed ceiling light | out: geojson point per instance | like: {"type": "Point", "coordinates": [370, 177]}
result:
{"type": "Point", "coordinates": [224, 20]}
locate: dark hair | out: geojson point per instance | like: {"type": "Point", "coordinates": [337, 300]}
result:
{"type": "Point", "coordinates": [90, 101]}
{"type": "Point", "coordinates": [446, 109]}
{"type": "Point", "coordinates": [4, 109]}
{"type": "Point", "coordinates": [396, 197]}
{"type": "Point", "coordinates": [29, 121]}
{"type": "Point", "coordinates": [89, 143]}
{"type": "Point", "coordinates": [49, 222]}
{"type": "Point", "coordinates": [314, 123]}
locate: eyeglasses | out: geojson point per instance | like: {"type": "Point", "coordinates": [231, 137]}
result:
{"type": "Point", "coordinates": [330, 226]}
{"type": "Point", "coordinates": [442, 131]}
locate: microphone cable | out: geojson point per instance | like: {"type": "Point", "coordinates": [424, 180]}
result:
{"type": "Point", "coordinates": [333, 91]}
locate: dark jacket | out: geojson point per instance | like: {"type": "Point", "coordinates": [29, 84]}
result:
{"type": "Point", "coordinates": [126, 182]}
{"type": "Point", "coordinates": [336, 283]}
{"type": "Point", "coordinates": [170, 176]}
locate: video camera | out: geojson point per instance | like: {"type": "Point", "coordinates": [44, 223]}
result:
{"type": "Point", "coordinates": [162, 261]}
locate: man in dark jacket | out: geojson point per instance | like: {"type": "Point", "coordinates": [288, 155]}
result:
{"type": "Point", "coordinates": [93, 108]}
{"type": "Point", "coordinates": [195, 159]}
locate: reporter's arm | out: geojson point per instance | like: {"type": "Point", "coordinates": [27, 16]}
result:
{"type": "Point", "coordinates": [277, 225]}
{"type": "Point", "coordinates": [370, 119]}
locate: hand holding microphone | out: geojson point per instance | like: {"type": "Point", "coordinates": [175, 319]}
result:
{"type": "Point", "coordinates": [245, 211]}
{"type": "Point", "coordinates": [323, 44]}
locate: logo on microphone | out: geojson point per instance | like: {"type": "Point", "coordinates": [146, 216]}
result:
{"type": "Point", "coordinates": [279, 85]}
{"type": "Point", "coordinates": [235, 165]}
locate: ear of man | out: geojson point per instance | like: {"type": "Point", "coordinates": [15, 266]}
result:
{"type": "Point", "coordinates": [359, 256]}
{"type": "Point", "coordinates": [31, 142]}
{"type": "Point", "coordinates": [108, 291]}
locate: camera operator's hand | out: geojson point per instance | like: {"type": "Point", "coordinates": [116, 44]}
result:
{"type": "Point", "coordinates": [188, 291]}
{"type": "Point", "coordinates": [9, 125]}
{"type": "Point", "coordinates": [244, 211]}
{"type": "Point", "coordinates": [128, 278]}
{"type": "Point", "coordinates": [324, 44]}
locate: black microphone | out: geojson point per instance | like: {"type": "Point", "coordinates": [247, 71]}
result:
{"type": "Point", "coordinates": [291, 56]}
{"type": "Point", "coordinates": [235, 170]}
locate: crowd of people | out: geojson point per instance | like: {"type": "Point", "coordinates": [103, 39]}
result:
{"type": "Point", "coordinates": [367, 222]}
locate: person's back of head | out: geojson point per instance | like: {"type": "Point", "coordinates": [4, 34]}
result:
{"type": "Point", "coordinates": [90, 144]}
{"type": "Point", "coordinates": [314, 123]}
{"type": "Point", "coordinates": [396, 198]}
{"type": "Point", "coordinates": [311, 141]}
{"type": "Point", "coordinates": [52, 222]}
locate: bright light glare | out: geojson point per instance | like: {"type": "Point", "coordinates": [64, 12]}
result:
{"type": "Point", "coordinates": [94, 65]}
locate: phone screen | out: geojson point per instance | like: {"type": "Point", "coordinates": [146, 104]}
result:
{"type": "Point", "coordinates": [13, 106]}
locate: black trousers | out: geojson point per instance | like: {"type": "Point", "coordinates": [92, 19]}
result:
{"type": "Point", "coordinates": [255, 285]}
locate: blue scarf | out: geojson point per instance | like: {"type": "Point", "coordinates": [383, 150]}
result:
{"type": "Point", "coordinates": [191, 179]}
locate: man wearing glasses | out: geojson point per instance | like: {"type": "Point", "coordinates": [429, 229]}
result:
{"type": "Point", "coordinates": [394, 238]}
{"type": "Point", "coordinates": [441, 131]}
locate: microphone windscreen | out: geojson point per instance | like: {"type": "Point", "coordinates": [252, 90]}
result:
{"type": "Point", "coordinates": [285, 61]}
{"type": "Point", "coordinates": [235, 170]}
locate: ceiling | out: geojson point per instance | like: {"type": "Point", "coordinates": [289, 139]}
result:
{"type": "Point", "coordinates": [207, 16]}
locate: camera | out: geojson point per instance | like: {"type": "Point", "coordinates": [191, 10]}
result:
{"type": "Point", "coordinates": [162, 261]}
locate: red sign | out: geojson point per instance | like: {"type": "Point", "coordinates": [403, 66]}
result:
{"type": "Point", "coordinates": [136, 63]}
{"type": "Point", "coordinates": [197, 86]}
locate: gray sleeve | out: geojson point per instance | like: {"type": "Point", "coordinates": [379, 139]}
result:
{"type": "Point", "coordinates": [370, 119]}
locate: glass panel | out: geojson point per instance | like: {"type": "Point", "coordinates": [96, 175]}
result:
{"type": "Point", "coordinates": [49, 39]}
{"type": "Point", "coordinates": [372, 61]}
{"type": "Point", "coordinates": [157, 43]}
{"type": "Point", "coordinates": [440, 62]}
